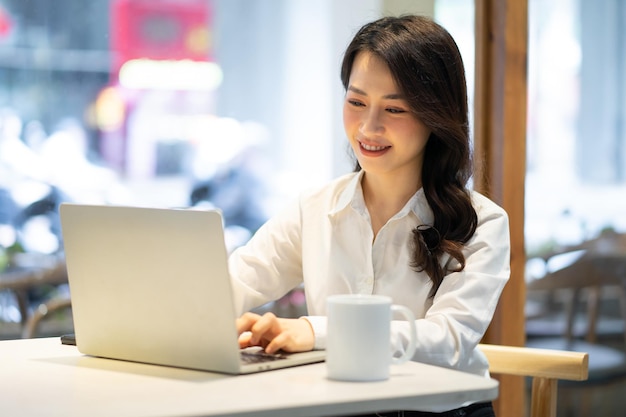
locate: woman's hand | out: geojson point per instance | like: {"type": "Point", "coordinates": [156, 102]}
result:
{"type": "Point", "coordinates": [273, 333]}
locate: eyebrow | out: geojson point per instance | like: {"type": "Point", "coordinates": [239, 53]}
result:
{"type": "Point", "coordinates": [393, 96]}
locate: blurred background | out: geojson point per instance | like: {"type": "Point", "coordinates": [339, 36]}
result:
{"type": "Point", "coordinates": [236, 104]}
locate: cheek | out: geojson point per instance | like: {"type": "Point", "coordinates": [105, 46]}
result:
{"type": "Point", "coordinates": [350, 119]}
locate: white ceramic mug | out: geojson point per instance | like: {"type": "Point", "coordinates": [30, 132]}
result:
{"type": "Point", "coordinates": [358, 346]}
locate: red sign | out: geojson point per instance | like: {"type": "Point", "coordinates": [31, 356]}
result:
{"type": "Point", "coordinates": [5, 23]}
{"type": "Point", "coordinates": [160, 30]}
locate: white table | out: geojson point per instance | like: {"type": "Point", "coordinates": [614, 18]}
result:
{"type": "Point", "coordinates": [42, 377]}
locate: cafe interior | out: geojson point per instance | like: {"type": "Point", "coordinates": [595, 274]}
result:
{"type": "Point", "coordinates": [215, 103]}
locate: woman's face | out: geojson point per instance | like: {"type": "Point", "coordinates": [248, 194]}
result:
{"type": "Point", "coordinates": [385, 135]}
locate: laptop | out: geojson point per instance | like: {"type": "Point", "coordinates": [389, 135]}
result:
{"type": "Point", "coordinates": [152, 285]}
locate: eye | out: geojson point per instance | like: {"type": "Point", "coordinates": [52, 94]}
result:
{"type": "Point", "coordinates": [395, 111]}
{"type": "Point", "coordinates": [355, 103]}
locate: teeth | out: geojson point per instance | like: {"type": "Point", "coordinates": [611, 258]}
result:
{"type": "Point", "coordinates": [372, 148]}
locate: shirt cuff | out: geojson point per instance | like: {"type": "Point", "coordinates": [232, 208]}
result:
{"type": "Point", "coordinates": [318, 323]}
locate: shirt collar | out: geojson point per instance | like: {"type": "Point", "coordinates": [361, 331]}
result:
{"type": "Point", "coordinates": [352, 195]}
{"type": "Point", "coordinates": [419, 206]}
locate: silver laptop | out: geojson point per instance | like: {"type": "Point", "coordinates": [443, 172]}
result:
{"type": "Point", "coordinates": [152, 285]}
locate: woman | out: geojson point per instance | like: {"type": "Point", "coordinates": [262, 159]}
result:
{"type": "Point", "coordinates": [403, 224]}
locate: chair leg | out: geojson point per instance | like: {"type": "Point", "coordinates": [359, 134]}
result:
{"type": "Point", "coordinates": [622, 302]}
{"type": "Point", "coordinates": [544, 396]}
{"type": "Point", "coordinates": [593, 301]}
{"type": "Point", "coordinates": [22, 303]}
{"type": "Point", "coordinates": [571, 308]}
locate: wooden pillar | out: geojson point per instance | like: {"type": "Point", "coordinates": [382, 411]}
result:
{"type": "Point", "coordinates": [500, 158]}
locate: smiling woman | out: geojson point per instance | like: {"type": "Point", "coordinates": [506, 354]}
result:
{"type": "Point", "coordinates": [404, 224]}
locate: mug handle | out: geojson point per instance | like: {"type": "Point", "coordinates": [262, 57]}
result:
{"type": "Point", "coordinates": [410, 350]}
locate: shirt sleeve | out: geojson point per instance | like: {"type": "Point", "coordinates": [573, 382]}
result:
{"type": "Point", "coordinates": [466, 301]}
{"type": "Point", "coordinates": [270, 263]}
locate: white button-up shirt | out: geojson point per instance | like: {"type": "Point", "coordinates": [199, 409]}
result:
{"type": "Point", "coordinates": [325, 240]}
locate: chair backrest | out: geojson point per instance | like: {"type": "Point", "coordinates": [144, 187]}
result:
{"type": "Point", "coordinates": [595, 272]}
{"type": "Point", "coordinates": [544, 366]}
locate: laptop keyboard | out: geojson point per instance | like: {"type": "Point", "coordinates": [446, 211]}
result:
{"type": "Point", "coordinates": [260, 357]}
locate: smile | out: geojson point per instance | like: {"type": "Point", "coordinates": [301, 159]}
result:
{"type": "Point", "coordinates": [372, 148]}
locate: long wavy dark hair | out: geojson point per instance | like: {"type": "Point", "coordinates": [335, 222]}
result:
{"type": "Point", "coordinates": [427, 67]}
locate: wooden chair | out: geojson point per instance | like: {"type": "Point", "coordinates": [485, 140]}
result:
{"type": "Point", "coordinates": [586, 280]}
{"type": "Point", "coordinates": [596, 279]}
{"type": "Point", "coordinates": [44, 310]}
{"type": "Point", "coordinates": [545, 366]}
{"type": "Point", "coordinates": [593, 273]}
{"type": "Point", "coordinates": [45, 270]}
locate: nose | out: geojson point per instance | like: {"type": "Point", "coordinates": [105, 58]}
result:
{"type": "Point", "coordinates": [371, 122]}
